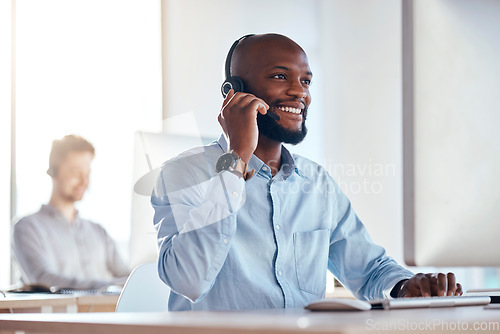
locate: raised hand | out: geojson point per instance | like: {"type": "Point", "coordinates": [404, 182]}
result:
{"type": "Point", "coordinates": [238, 119]}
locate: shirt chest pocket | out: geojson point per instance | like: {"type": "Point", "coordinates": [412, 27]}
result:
{"type": "Point", "coordinates": [311, 260]}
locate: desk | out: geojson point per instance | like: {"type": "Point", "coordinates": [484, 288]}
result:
{"type": "Point", "coordinates": [473, 319]}
{"type": "Point", "coordinates": [97, 303]}
{"type": "Point", "coordinates": [49, 303]}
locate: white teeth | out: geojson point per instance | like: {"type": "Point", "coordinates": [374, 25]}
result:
{"type": "Point", "coordinates": [290, 110]}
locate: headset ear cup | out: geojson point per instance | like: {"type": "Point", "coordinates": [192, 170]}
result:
{"type": "Point", "coordinates": [225, 88]}
{"type": "Point", "coordinates": [52, 171]}
{"type": "Point", "coordinates": [235, 83]}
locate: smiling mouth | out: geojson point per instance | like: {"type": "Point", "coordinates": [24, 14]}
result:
{"type": "Point", "coordinates": [291, 110]}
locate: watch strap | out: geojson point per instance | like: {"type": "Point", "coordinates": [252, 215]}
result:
{"type": "Point", "coordinates": [240, 169]}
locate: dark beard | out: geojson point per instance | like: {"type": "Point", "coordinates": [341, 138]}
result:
{"type": "Point", "coordinates": [273, 130]}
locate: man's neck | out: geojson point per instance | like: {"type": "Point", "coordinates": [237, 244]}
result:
{"type": "Point", "coordinates": [67, 208]}
{"type": "Point", "coordinates": [269, 151]}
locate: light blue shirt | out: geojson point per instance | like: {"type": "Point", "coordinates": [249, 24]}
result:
{"type": "Point", "coordinates": [227, 244]}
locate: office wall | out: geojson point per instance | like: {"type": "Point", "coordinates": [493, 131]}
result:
{"type": "Point", "coordinates": [456, 140]}
{"type": "Point", "coordinates": [361, 59]}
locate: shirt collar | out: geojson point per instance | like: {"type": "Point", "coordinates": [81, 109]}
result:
{"type": "Point", "coordinates": [287, 161]}
{"type": "Point", "coordinates": [288, 164]}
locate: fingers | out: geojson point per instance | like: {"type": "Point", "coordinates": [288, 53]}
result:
{"type": "Point", "coordinates": [263, 108]}
{"type": "Point", "coordinates": [251, 103]}
{"type": "Point", "coordinates": [244, 102]}
{"type": "Point", "coordinates": [228, 98]}
{"type": "Point", "coordinates": [452, 285]}
{"type": "Point", "coordinates": [427, 285]}
{"type": "Point", "coordinates": [412, 287]}
{"type": "Point", "coordinates": [238, 119]}
{"type": "Point", "coordinates": [454, 288]}
{"type": "Point", "coordinates": [441, 285]}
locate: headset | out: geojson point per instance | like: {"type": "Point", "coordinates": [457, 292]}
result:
{"type": "Point", "coordinates": [52, 171]}
{"type": "Point", "coordinates": [234, 82]}
{"type": "Point", "coordinates": [231, 82]}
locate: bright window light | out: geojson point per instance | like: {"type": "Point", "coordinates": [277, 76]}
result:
{"type": "Point", "coordinates": [91, 68]}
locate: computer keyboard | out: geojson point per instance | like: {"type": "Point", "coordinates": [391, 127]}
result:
{"type": "Point", "coordinates": [494, 294]}
{"type": "Point", "coordinates": [428, 302]}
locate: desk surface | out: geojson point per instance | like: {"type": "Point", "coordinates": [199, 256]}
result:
{"type": "Point", "coordinates": [34, 302]}
{"type": "Point", "coordinates": [474, 319]}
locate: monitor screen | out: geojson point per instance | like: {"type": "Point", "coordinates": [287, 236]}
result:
{"type": "Point", "coordinates": [451, 132]}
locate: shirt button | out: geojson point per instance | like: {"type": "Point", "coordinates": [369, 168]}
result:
{"type": "Point", "coordinates": [264, 168]}
{"type": "Point", "coordinates": [280, 273]}
{"type": "Point", "coordinates": [235, 194]}
{"type": "Point", "coordinates": [225, 241]}
{"type": "Point", "coordinates": [277, 227]}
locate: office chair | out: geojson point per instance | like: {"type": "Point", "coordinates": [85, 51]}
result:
{"type": "Point", "coordinates": [144, 291]}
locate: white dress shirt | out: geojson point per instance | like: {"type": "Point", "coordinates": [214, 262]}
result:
{"type": "Point", "coordinates": [53, 252]}
{"type": "Point", "coordinates": [227, 244]}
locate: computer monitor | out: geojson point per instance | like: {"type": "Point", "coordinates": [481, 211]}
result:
{"type": "Point", "coordinates": [151, 150]}
{"type": "Point", "coordinates": [451, 132]}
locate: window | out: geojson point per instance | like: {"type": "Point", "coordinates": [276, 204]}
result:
{"type": "Point", "coordinates": [91, 68]}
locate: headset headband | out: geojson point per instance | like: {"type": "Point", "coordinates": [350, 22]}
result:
{"type": "Point", "coordinates": [230, 55]}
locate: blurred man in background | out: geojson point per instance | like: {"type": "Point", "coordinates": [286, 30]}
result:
{"type": "Point", "coordinates": [57, 248]}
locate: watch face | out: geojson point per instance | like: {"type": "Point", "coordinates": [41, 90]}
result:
{"type": "Point", "coordinates": [225, 161]}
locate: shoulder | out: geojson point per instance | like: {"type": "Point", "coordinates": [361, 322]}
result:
{"type": "Point", "coordinates": [189, 169]}
{"type": "Point", "coordinates": [30, 220]}
{"type": "Point", "coordinates": [201, 159]}
{"type": "Point", "coordinates": [196, 154]}
{"type": "Point", "coordinates": [24, 222]}
{"type": "Point", "coordinates": [31, 225]}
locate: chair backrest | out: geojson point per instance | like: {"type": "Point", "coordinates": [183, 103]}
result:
{"type": "Point", "coordinates": [144, 291]}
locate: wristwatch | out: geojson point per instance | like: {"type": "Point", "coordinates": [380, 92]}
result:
{"type": "Point", "coordinates": [230, 161]}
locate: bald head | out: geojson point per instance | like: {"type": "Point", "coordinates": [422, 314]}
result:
{"type": "Point", "coordinates": [252, 51]}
